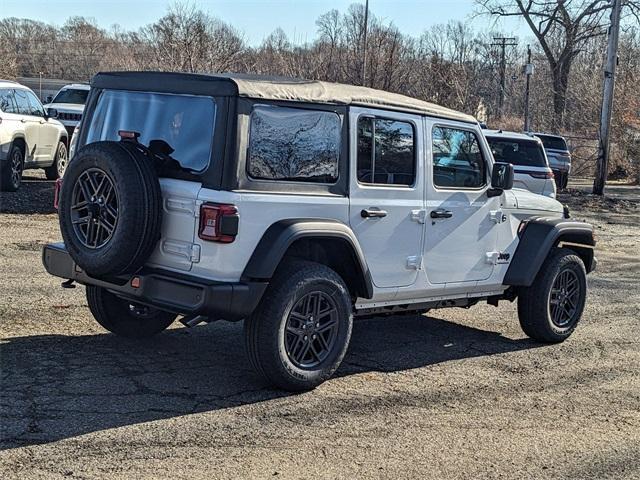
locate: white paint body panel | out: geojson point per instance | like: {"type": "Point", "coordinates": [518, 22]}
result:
{"type": "Point", "coordinates": [451, 257]}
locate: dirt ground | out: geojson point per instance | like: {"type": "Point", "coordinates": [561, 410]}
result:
{"type": "Point", "coordinates": [452, 394]}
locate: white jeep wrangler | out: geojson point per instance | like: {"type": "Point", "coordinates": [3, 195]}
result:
{"type": "Point", "coordinates": [297, 206]}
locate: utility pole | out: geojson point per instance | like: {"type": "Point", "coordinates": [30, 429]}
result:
{"type": "Point", "coordinates": [607, 99]}
{"type": "Point", "coordinates": [503, 43]}
{"type": "Point", "coordinates": [528, 71]}
{"type": "Point", "coordinates": [364, 42]}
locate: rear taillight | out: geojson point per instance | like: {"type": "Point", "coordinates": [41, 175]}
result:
{"type": "Point", "coordinates": [218, 222]}
{"type": "Point", "coordinates": [541, 174]}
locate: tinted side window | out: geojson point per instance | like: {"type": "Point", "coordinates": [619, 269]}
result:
{"type": "Point", "coordinates": [294, 144]}
{"type": "Point", "coordinates": [386, 152]}
{"type": "Point", "coordinates": [24, 108]}
{"type": "Point", "coordinates": [457, 159]}
{"type": "Point", "coordinates": [36, 107]}
{"type": "Point", "coordinates": [7, 103]}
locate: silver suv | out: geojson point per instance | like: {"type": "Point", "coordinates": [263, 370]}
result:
{"type": "Point", "coordinates": [30, 136]}
{"type": "Point", "coordinates": [559, 157]}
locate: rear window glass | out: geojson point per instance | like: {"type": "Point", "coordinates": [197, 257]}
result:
{"type": "Point", "coordinates": [72, 95]}
{"type": "Point", "coordinates": [184, 122]}
{"type": "Point", "coordinates": [554, 143]}
{"type": "Point", "coordinates": [518, 152]}
{"type": "Point", "coordinates": [294, 144]}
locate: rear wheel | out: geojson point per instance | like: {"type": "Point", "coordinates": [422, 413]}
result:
{"type": "Point", "coordinates": [300, 332]}
{"type": "Point", "coordinates": [550, 309]}
{"type": "Point", "coordinates": [11, 174]}
{"type": "Point", "coordinates": [59, 164]}
{"type": "Point", "coordinates": [125, 318]}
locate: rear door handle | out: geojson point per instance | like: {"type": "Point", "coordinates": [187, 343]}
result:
{"type": "Point", "coordinates": [371, 213]}
{"type": "Point", "coordinates": [441, 213]}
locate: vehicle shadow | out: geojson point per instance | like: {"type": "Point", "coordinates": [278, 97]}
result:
{"type": "Point", "coordinates": [35, 195]}
{"type": "Point", "coordinates": [56, 386]}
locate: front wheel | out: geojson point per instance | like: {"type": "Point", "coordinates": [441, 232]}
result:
{"type": "Point", "coordinates": [300, 332]}
{"type": "Point", "coordinates": [550, 309]}
{"type": "Point", "coordinates": [56, 170]}
{"type": "Point", "coordinates": [125, 318]}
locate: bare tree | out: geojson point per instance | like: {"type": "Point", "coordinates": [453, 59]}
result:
{"type": "Point", "coordinates": [562, 28]}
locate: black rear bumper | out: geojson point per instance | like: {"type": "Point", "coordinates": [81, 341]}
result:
{"type": "Point", "coordinates": [166, 290]}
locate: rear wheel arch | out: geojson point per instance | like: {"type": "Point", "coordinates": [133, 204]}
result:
{"type": "Point", "coordinates": [325, 241]}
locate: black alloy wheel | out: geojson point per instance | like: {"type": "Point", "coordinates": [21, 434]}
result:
{"type": "Point", "coordinates": [311, 330]}
{"type": "Point", "coordinates": [94, 208]}
{"type": "Point", "coordinates": [564, 298]}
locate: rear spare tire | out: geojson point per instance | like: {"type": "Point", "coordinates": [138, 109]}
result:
{"type": "Point", "coordinates": [110, 208]}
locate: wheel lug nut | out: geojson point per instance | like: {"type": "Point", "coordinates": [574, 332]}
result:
{"type": "Point", "coordinates": [314, 336]}
{"type": "Point", "coordinates": [318, 325]}
{"type": "Point", "coordinates": [305, 338]}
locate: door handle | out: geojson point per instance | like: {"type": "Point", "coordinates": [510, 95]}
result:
{"type": "Point", "coordinates": [370, 213]}
{"type": "Point", "coordinates": [441, 213]}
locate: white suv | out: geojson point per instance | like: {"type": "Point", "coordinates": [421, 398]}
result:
{"type": "Point", "coordinates": [30, 136]}
{"type": "Point", "coordinates": [297, 205]}
{"type": "Point", "coordinates": [528, 157]}
{"type": "Point", "coordinates": [69, 103]}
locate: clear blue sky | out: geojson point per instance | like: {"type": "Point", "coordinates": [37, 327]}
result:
{"type": "Point", "coordinates": [257, 18]}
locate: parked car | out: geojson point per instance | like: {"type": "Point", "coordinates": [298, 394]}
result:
{"type": "Point", "coordinates": [528, 157]}
{"type": "Point", "coordinates": [239, 197]}
{"type": "Point", "coordinates": [69, 102]}
{"type": "Point", "coordinates": [559, 157]}
{"type": "Point", "coordinates": [30, 136]}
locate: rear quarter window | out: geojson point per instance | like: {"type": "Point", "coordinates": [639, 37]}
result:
{"type": "Point", "coordinates": [293, 144]}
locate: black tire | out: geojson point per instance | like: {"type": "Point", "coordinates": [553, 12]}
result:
{"type": "Point", "coordinates": [100, 241]}
{"type": "Point", "coordinates": [564, 181]}
{"type": "Point", "coordinates": [269, 341]}
{"type": "Point", "coordinates": [124, 318]}
{"type": "Point", "coordinates": [57, 169]}
{"type": "Point", "coordinates": [11, 172]}
{"type": "Point", "coordinates": [541, 307]}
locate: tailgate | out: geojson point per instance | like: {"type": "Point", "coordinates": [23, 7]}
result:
{"type": "Point", "coordinates": [176, 249]}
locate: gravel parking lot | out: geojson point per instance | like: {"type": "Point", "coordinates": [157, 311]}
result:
{"type": "Point", "coordinates": [451, 394]}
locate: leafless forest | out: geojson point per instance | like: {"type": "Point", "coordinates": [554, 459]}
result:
{"type": "Point", "coordinates": [456, 65]}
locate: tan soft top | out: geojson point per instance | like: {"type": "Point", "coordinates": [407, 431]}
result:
{"type": "Point", "coordinates": [273, 88]}
{"type": "Point", "coordinates": [315, 91]}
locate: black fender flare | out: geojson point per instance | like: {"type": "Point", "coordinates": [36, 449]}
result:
{"type": "Point", "coordinates": [537, 239]}
{"type": "Point", "coordinates": [282, 234]}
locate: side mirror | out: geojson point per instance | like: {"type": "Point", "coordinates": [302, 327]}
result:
{"type": "Point", "coordinates": [501, 178]}
{"type": "Point", "coordinates": [52, 113]}
{"type": "Point", "coordinates": [49, 98]}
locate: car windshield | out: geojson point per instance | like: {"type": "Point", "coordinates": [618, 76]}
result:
{"type": "Point", "coordinates": [184, 122]}
{"type": "Point", "coordinates": [71, 95]}
{"type": "Point", "coordinates": [554, 143]}
{"type": "Point", "coordinates": [527, 153]}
